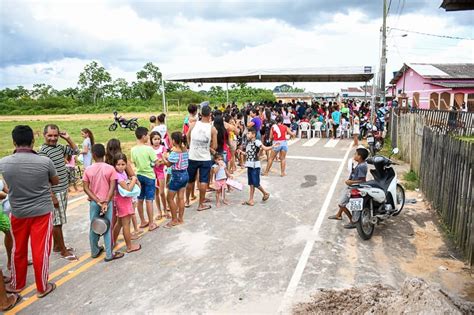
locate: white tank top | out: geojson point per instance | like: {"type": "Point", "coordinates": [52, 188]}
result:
{"type": "Point", "coordinates": [200, 142]}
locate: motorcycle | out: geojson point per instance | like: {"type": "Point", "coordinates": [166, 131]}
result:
{"type": "Point", "coordinates": [374, 201]}
{"type": "Point", "coordinates": [131, 124]}
{"type": "Point", "coordinates": [374, 139]}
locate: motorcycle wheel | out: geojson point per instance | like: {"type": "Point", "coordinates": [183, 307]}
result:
{"type": "Point", "coordinates": [365, 228]}
{"type": "Point", "coordinates": [372, 150]}
{"type": "Point", "coordinates": [133, 126]}
{"type": "Point", "coordinates": [113, 127]}
{"type": "Point", "coordinates": [400, 195]}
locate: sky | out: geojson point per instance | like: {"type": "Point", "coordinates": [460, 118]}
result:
{"type": "Point", "coordinates": [50, 42]}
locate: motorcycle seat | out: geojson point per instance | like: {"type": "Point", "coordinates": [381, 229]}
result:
{"type": "Point", "coordinates": [375, 184]}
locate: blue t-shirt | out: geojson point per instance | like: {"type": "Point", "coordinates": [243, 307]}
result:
{"type": "Point", "coordinates": [257, 123]}
{"type": "Point", "coordinates": [359, 172]}
{"type": "Point", "coordinates": [336, 117]}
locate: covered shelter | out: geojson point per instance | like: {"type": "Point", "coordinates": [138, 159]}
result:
{"type": "Point", "coordinates": [308, 74]}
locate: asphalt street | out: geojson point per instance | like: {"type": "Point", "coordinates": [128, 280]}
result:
{"type": "Point", "coordinates": [236, 259]}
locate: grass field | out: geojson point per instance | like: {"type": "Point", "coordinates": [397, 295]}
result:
{"type": "Point", "coordinates": [99, 128]}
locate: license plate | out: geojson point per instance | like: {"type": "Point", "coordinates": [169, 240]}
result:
{"type": "Point", "coordinates": [370, 139]}
{"type": "Point", "coordinates": [356, 204]}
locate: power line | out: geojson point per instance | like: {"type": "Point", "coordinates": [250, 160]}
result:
{"type": "Point", "coordinates": [428, 34]}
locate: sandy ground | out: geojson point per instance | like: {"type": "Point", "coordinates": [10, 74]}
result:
{"type": "Point", "coordinates": [78, 116]}
{"type": "Point", "coordinates": [240, 260]}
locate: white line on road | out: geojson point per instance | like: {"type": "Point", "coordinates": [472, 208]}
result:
{"type": "Point", "coordinates": [77, 199]}
{"type": "Point", "coordinates": [295, 279]}
{"type": "Point", "coordinates": [293, 141]}
{"type": "Point", "coordinates": [331, 143]}
{"type": "Point", "coordinates": [311, 142]}
{"type": "Point", "coordinates": [313, 158]}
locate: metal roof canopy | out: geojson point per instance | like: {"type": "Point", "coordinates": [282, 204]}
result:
{"type": "Point", "coordinates": [310, 74]}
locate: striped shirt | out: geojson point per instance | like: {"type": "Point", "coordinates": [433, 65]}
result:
{"type": "Point", "coordinates": [179, 160]}
{"type": "Point", "coordinates": [57, 154]}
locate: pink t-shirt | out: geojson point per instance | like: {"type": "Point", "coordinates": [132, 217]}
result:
{"type": "Point", "coordinates": [159, 154]}
{"type": "Point", "coordinates": [99, 175]}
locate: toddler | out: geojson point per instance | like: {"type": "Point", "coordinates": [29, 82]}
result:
{"type": "Point", "coordinates": [221, 174]}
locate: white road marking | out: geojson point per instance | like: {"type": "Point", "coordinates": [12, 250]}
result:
{"type": "Point", "coordinates": [293, 141]}
{"type": "Point", "coordinates": [313, 158]}
{"type": "Point", "coordinates": [77, 199]}
{"type": "Point", "coordinates": [311, 142]}
{"type": "Point", "coordinates": [331, 143]}
{"type": "Point", "coordinates": [285, 306]}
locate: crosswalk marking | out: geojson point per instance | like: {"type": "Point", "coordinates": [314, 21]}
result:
{"type": "Point", "coordinates": [313, 158]}
{"type": "Point", "coordinates": [293, 141]}
{"type": "Point", "coordinates": [331, 143]}
{"type": "Point", "coordinates": [311, 142]}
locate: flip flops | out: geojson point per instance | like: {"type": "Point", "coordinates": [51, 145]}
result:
{"type": "Point", "coordinates": [246, 203]}
{"type": "Point", "coordinates": [116, 255]}
{"type": "Point", "coordinates": [204, 208]}
{"type": "Point", "coordinates": [134, 250]}
{"type": "Point", "coordinates": [101, 249]}
{"type": "Point", "coordinates": [50, 288]}
{"type": "Point", "coordinates": [335, 217]}
{"type": "Point", "coordinates": [18, 299]}
{"type": "Point", "coordinates": [266, 197]}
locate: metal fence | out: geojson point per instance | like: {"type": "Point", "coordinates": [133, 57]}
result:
{"type": "Point", "coordinates": [446, 178]}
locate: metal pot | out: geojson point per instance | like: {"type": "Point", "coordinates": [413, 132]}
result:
{"type": "Point", "coordinates": [100, 225]}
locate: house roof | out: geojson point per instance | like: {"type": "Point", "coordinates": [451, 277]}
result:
{"type": "Point", "coordinates": [453, 84]}
{"type": "Point", "coordinates": [446, 71]}
{"type": "Point", "coordinates": [457, 5]}
{"type": "Point", "coordinates": [293, 94]}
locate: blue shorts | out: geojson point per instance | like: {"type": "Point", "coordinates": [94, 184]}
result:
{"type": "Point", "coordinates": [282, 147]}
{"type": "Point", "coordinates": [148, 188]}
{"type": "Point", "coordinates": [204, 168]}
{"type": "Point", "coordinates": [253, 176]}
{"type": "Point", "coordinates": [179, 180]}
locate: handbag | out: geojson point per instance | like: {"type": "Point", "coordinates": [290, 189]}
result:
{"type": "Point", "coordinates": [134, 193]}
{"type": "Point", "coordinates": [235, 184]}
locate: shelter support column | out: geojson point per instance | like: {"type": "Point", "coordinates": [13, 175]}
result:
{"type": "Point", "coordinates": [227, 92]}
{"type": "Point", "coordinates": [451, 100]}
{"type": "Point", "coordinates": [164, 95]}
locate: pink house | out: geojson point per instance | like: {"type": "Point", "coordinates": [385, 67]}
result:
{"type": "Point", "coordinates": [434, 86]}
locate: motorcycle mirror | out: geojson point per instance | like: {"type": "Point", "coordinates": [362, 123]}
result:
{"type": "Point", "coordinates": [395, 151]}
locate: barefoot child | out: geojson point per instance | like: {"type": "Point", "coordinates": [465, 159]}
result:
{"type": "Point", "coordinates": [124, 205]}
{"type": "Point", "coordinates": [144, 159]}
{"type": "Point", "coordinates": [221, 174]}
{"type": "Point", "coordinates": [177, 160]}
{"type": "Point", "coordinates": [253, 165]}
{"type": "Point", "coordinates": [99, 185]}
{"type": "Point", "coordinates": [159, 169]}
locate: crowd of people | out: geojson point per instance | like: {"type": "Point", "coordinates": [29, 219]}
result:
{"type": "Point", "coordinates": [163, 171]}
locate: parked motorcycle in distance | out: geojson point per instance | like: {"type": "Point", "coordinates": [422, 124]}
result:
{"type": "Point", "coordinates": [374, 139]}
{"type": "Point", "coordinates": [131, 124]}
{"type": "Point", "coordinates": [374, 201]}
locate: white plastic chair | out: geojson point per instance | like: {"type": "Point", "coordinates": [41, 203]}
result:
{"type": "Point", "coordinates": [317, 129]}
{"type": "Point", "coordinates": [305, 127]}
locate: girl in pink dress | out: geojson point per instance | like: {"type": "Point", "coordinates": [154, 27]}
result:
{"type": "Point", "coordinates": [160, 149]}
{"type": "Point", "coordinates": [123, 205]}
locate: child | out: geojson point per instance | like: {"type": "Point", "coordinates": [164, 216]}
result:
{"type": "Point", "coordinates": [221, 174]}
{"type": "Point", "coordinates": [5, 225]}
{"type": "Point", "coordinates": [99, 185]}
{"type": "Point", "coordinates": [253, 166]}
{"type": "Point", "coordinates": [159, 169]}
{"type": "Point", "coordinates": [294, 125]}
{"type": "Point", "coordinates": [177, 161]}
{"type": "Point", "coordinates": [162, 129]}
{"type": "Point", "coordinates": [358, 175]}
{"type": "Point", "coordinates": [152, 122]}
{"type": "Point", "coordinates": [356, 128]}
{"type": "Point", "coordinates": [124, 205]}
{"type": "Point", "coordinates": [71, 170]}
{"type": "Point", "coordinates": [144, 159]}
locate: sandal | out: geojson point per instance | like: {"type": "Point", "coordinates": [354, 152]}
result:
{"type": "Point", "coordinates": [265, 197]}
{"type": "Point", "coordinates": [50, 288]}
{"type": "Point", "coordinates": [101, 249]}
{"type": "Point", "coordinates": [70, 257]}
{"type": "Point", "coordinates": [334, 217]}
{"type": "Point", "coordinates": [170, 225]}
{"type": "Point", "coordinates": [246, 203]}
{"type": "Point", "coordinates": [17, 300]}
{"type": "Point", "coordinates": [204, 208]}
{"type": "Point", "coordinates": [350, 226]}
{"type": "Point", "coordinates": [69, 249]}
{"type": "Point", "coordinates": [143, 225]}
{"type": "Point", "coordinates": [134, 250]}
{"type": "Point", "coordinates": [116, 255]}
{"type": "Point", "coordinates": [152, 227]}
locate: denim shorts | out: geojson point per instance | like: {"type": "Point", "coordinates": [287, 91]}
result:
{"type": "Point", "coordinates": [204, 168]}
{"type": "Point", "coordinates": [179, 180]}
{"type": "Point", "coordinates": [253, 176]}
{"type": "Point", "coordinates": [283, 146]}
{"type": "Point", "coordinates": [148, 188]}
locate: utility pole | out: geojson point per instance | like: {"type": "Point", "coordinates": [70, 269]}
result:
{"type": "Point", "coordinates": [383, 59]}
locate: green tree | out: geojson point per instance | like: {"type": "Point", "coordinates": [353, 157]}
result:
{"type": "Point", "coordinates": [148, 81]}
{"type": "Point", "coordinates": [122, 89]}
{"type": "Point", "coordinates": [93, 81]}
{"type": "Point", "coordinates": [175, 87]}
{"type": "Point", "coordinates": [41, 91]}
{"type": "Point", "coordinates": [69, 93]}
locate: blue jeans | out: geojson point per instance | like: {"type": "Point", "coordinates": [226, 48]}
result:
{"type": "Point", "coordinates": [253, 176]}
{"type": "Point", "coordinates": [179, 180]}
{"type": "Point", "coordinates": [148, 188]}
{"type": "Point", "coordinates": [94, 238]}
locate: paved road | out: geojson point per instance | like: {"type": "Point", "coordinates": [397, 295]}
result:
{"type": "Point", "coordinates": [237, 259]}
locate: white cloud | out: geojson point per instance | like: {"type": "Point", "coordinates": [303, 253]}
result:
{"type": "Point", "coordinates": [51, 42]}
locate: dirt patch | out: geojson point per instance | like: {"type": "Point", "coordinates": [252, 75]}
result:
{"type": "Point", "coordinates": [414, 297]}
{"type": "Point", "coordinates": [76, 117]}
